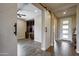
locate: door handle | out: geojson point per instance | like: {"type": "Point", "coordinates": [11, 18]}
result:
{"type": "Point", "coordinates": [15, 26]}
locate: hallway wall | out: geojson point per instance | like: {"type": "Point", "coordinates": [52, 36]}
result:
{"type": "Point", "coordinates": [73, 21]}
{"type": "Point", "coordinates": [77, 27]}
{"type": "Point", "coordinates": [38, 27]}
{"type": "Point", "coordinates": [47, 22]}
{"type": "Point", "coordinates": [54, 29]}
{"type": "Point", "coordinates": [48, 29]}
{"type": "Point", "coordinates": [8, 40]}
{"type": "Point", "coordinates": [21, 29]}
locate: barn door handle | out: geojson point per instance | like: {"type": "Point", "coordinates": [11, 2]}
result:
{"type": "Point", "coordinates": [15, 26]}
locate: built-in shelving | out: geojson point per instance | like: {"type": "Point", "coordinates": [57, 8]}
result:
{"type": "Point", "coordinates": [30, 29]}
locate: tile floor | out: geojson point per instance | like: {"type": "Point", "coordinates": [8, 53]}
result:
{"type": "Point", "coordinates": [27, 47]}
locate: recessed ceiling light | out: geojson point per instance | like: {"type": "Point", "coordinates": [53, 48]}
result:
{"type": "Point", "coordinates": [64, 12]}
{"type": "Point", "coordinates": [36, 11]}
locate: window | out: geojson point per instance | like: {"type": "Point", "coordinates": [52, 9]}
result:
{"type": "Point", "coordinates": [65, 36]}
{"type": "Point", "coordinates": [65, 22]}
{"type": "Point", "coordinates": [65, 26]}
{"type": "Point", "coordinates": [65, 31]}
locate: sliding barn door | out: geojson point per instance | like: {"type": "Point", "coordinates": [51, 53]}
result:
{"type": "Point", "coordinates": [8, 41]}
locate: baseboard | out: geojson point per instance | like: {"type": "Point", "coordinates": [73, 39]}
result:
{"type": "Point", "coordinates": [37, 41]}
{"type": "Point", "coordinates": [77, 51]}
{"type": "Point", "coordinates": [43, 49]}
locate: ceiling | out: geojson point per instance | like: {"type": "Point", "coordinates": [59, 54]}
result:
{"type": "Point", "coordinates": [60, 8]}
{"type": "Point", "coordinates": [57, 8]}
{"type": "Point", "coordinates": [29, 10]}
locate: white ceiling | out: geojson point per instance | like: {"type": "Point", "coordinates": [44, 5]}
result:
{"type": "Point", "coordinates": [59, 8]}
{"type": "Point", "coordinates": [29, 10]}
{"type": "Point", "coordinates": [56, 8]}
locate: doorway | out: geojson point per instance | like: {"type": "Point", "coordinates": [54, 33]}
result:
{"type": "Point", "coordinates": [30, 29]}
{"type": "Point", "coordinates": [65, 29]}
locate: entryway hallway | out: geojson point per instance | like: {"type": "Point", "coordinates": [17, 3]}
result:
{"type": "Point", "coordinates": [64, 48]}
{"type": "Point", "coordinates": [52, 30]}
{"type": "Point", "coordinates": [54, 34]}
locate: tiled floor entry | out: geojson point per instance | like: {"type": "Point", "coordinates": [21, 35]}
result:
{"type": "Point", "coordinates": [27, 47]}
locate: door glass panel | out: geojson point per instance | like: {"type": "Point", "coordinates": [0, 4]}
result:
{"type": "Point", "coordinates": [65, 22]}
{"type": "Point", "coordinates": [65, 26]}
{"type": "Point", "coordinates": [65, 36]}
{"type": "Point", "coordinates": [65, 31]}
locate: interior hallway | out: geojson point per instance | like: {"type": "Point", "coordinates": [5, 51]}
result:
{"type": "Point", "coordinates": [64, 48]}
{"type": "Point", "coordinates": [62, 29]}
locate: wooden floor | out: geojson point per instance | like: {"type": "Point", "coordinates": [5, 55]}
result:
{"type": "Point", "coordinates": [64, 48]}
{"type": "Point", "coordinates": [50, 49]}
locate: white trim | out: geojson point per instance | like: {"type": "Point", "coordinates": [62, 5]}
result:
{"type": "Point", "coordinates": [37, 41]}
{"type": "Point", "coordinates": [43, 49]}
{"type": "Point", "coordinates": [77, 51]}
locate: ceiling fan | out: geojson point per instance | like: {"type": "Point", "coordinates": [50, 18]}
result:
{"type": "Point", "coordinates": [20, 15]}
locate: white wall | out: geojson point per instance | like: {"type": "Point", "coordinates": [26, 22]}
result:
{"type": "Point", "coordinates": [49, 21]}
{"type": "Point", "coordinates": [21, 29]}
{"type": "Point", "coordinates": [73, 22]}
{"type": "Point", "coordinates": [77, 27]}
{"type": "Point", "coordinates": [38, 28]}
{"type": "Point", "coordinates": [54, 29]}
{"type": "Point", "coordinates": [8, 41]}
{"type": "Point", "coordinates": [46, 35]}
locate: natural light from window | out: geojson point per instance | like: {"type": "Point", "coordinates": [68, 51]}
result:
{"type": "Point", "coordinates": [65, 31]}
{"type": "Point", "coordinates": [65, 36]}
{"type": "Point", "coordinates": [65, 26]}
{"type": "Point", "coordinates": [65, 22]}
